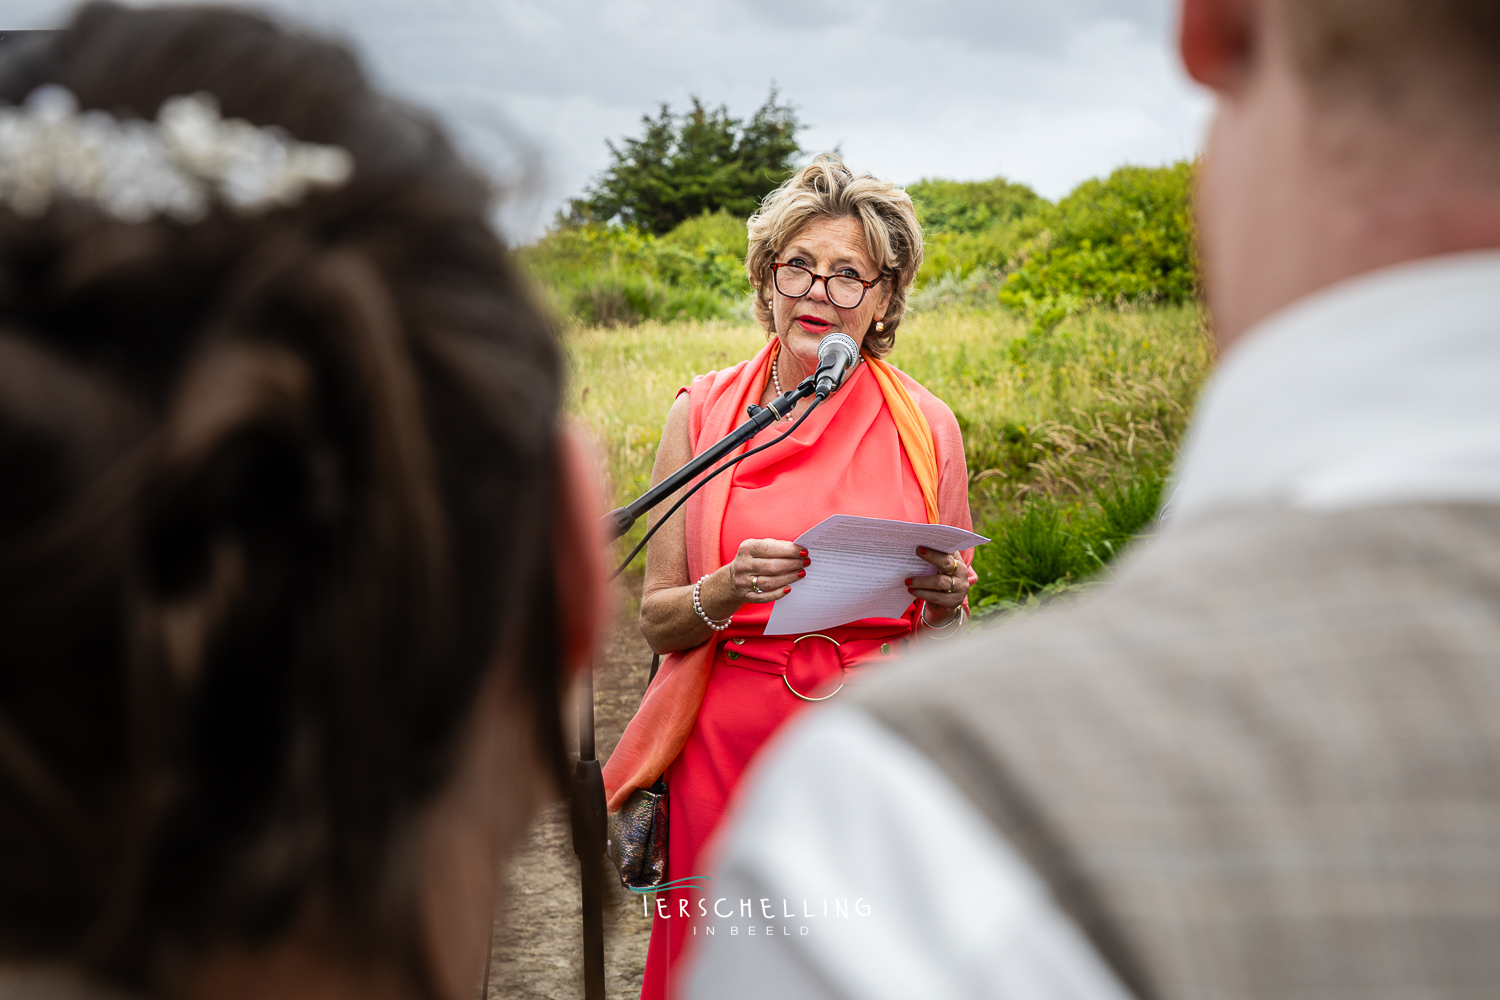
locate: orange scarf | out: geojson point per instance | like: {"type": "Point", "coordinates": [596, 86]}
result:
{"type": "Point", "coordinates": [669, 710]}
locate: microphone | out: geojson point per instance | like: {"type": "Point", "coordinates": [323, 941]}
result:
{"type": "Point", "coordinates": [837, 354]}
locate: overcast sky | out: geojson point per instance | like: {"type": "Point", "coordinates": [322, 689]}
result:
{"type": "Point", "coordinates": [1048, 92]}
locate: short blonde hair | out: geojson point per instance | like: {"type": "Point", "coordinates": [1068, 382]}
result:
{"type": "Point", "coordinates": [826, 189]}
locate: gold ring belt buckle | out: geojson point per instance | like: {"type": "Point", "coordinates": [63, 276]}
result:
{"type": "Point", "coordinates": [787, 681]}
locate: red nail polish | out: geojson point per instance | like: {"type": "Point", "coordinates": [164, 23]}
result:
{"type": "Point", "coordinates": [908, 583]}
{"type": "Point", "coordinates": [804, 553]}
{"type": "Point", "coordinates": [788, 590]}
{"type": "Point", "coordinates": [807, 562]}
{"type": "Point", "coordinates": [922, 549]}
{"type": "Point", "coordinates": [801, 573]}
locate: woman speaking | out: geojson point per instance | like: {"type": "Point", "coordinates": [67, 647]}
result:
{"type": "Point", "coordinates": [829, 251]}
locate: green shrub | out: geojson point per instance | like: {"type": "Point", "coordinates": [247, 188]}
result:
{"type": "Point", "coordinates": [1125, 239]}
{"type": "Point", "coordinates": [613, 275]}
{"type": "Point", "coordinates": [973, 226]}
{"type": "Point", "coordinates": [973, 289]}
{"type": "Point", "coordinates": [971, 206]}
{"type": "Point", "coordinates": [1127, 508]}
{"type": "Point", "coordinates": [706, 252]}
{"type": "Point", "coordinates": [719, 230]}
{"type": "Point", "coordinates": [570, 254]}
{"type": "Point", "coordinates": [992, 250]}
{"type": "Point", "coordinates": [628, 299]}
{"type": "Point", "coordinates": [1048, 544]}
{"type": "Point", "coordinates": [1033, 550]}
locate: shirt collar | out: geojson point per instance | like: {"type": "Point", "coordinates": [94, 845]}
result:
{"type": "Point", "coordinates": [1382, 389]}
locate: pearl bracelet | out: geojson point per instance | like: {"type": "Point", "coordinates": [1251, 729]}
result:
{"type": "Point", "coordinates": [717, 626]}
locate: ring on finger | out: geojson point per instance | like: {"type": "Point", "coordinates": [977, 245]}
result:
{"type": "Point", "coordinates": [950, 584]}
{"type": "Point", "coordinates": [755, 584]}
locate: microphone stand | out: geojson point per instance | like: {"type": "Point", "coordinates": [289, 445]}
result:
{"type": "Point", "coordinates": [589, 813]}
{"type": "Point", "coordinates": [619, 521]}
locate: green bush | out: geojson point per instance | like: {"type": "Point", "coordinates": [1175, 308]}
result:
{"type": "Point", "coordinates": [1028, 553]}
{"type": "Point", "coordinates": [613, 275]}
{"type": "Point", "coordinates": [972, 226]}
{"type": "Point", "coordinates": [1126, 509]}
{"type": "Point", "coordinates": [1125, 239]}
{"type": "Point", "coordinates": [706, 252]}
{"type": "Point", "coordinates": [628, 299]}
{"type": "Point", "coordinates": [956, 288]}
{"type": "Point", "coordinates": [993, 250]}
{"type": "Point", "coordinates": [971, 206]}
{"type": "Point", "coordinates": [1050, 544]}
{"type": "Point", "coordinates": [570, 254]}
{"type": "Point", "coordinates": [719, 230]}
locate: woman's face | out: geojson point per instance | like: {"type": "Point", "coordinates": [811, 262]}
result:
{"type": "Point", "coordinates": [827, 246]}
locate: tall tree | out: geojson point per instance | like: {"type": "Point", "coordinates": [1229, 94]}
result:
{"type": "Point", "coordinates": [700, 161]}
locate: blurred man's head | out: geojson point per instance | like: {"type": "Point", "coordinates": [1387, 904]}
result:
{"type": "Point", "coordinates": [1350, 135]}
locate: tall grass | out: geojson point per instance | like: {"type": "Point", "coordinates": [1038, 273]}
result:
{"type": "Point", "coordinates": [1050, 543]}
{"type": "Point", "coordinates": [624, 380]}
{"type": "Point", "coordinates": [1068, 434]}
{"type": "Point", "coordinates": [1062, 413]}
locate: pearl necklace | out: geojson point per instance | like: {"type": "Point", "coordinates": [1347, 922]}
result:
{"type": "Point", "coordinates": [776, 382]}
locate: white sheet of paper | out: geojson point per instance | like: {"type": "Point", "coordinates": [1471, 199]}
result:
{"type": "Point", "coordinates": [859, 567]}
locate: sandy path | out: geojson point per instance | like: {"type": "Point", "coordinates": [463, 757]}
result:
{"type": "Point", "coordinates": [539, 939]}
{"type": "Point", "coordinates": [538, 947]}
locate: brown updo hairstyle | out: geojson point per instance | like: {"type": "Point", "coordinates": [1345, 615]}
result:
{"type": "Point", "coordinates": [277, 497]}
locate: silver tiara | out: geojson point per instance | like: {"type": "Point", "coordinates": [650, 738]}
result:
{"type": "Point", "coordinates": [137, 170]}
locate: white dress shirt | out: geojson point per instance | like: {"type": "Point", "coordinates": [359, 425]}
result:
{"type": "Point", "coordinates": [1383, 389]}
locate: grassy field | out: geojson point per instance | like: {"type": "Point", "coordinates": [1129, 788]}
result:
{"type": "Point", "coordinates": [1068, 433]}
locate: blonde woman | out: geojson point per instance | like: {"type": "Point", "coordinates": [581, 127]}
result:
{"type": "Point", "coordinates": [829, 251]}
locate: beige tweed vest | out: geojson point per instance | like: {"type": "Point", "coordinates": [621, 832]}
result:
{"type": "Point", "coordinates": [1263, 762]}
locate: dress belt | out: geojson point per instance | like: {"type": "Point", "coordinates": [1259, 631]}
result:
{"type": "Point", "coordinates": [772, 654]}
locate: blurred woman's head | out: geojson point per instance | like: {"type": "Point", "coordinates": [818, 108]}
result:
{"type": "Point", "coordinates": [282, 505]}
{"type": "Point", "coordinates": [866, 234]}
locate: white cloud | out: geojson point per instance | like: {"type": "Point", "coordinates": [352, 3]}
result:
{"type": "Point", "coordinates": [1048, 92]}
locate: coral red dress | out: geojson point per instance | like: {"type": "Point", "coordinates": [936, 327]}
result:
{"type": "Point", "coordinates": [848, 458]}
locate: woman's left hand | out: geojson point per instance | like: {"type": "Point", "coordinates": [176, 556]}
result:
{"type": "Point", "coordinates": [946, 589]}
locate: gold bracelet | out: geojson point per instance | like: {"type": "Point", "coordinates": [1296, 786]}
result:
{"type": "Point", "coordinates": [941, 631]}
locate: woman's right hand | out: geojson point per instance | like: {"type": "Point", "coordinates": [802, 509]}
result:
{"type": "Point", "coordinates": [768, 564]}
{"type": "Point", "coordinates": [669, 620]}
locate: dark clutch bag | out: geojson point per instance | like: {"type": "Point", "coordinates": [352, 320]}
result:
{"type": "Point", "coordinates": [638, 838]}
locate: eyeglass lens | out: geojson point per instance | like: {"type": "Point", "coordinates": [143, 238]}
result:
{"type": "Point", "coordinates": [844, 292]}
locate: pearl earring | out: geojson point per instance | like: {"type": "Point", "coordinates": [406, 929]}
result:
{"type": "Point", "coordinates": [880, 327]}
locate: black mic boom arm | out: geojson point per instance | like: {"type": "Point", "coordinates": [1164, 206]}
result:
{"type": "Point", "coordinates": [618, 521]}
